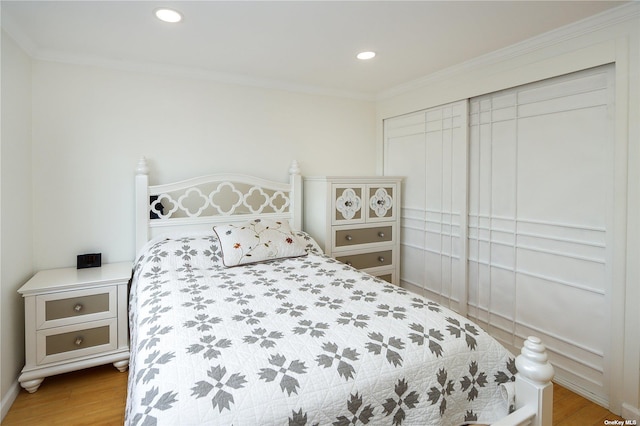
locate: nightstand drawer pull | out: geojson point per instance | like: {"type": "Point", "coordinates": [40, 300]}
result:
{"type": "Point", "coordinates": [367, 260]}
{"type": "Point", "coordinates": [355, 236]}
{"type": "Point", "coordinates": [76, 306]}
{"type": "Point", "coordinates": [72, 341]}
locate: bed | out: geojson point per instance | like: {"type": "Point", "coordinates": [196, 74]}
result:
{"type": "Point", "coordinates": [238, 318]}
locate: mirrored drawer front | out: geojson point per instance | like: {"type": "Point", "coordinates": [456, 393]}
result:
{"type": "Point", "coordinates": [76, 306]}
{"type": "Point", "coordinates": [368, 260]}
{"type": "Point", "coordinates": [350, 237]}
{"type": "Point", "coordinates": [76, 340]}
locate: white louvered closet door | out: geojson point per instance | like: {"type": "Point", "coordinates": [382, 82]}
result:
{"type": "Point", "coordinates": [429, 149]}
{"type": "Point", "coordinates": [540, 219]}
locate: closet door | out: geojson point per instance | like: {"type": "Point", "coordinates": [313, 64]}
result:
{"type": "Point", "coordinates": [429, 149]}
{"type": "Point", "coordinates": [540, 220]}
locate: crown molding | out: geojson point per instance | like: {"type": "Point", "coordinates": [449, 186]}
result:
{"type": "Point", "coordinates": [15, 32]}
{"type": "Point", "coordinates": [606, 19]}
{"type": "Point", "coordinates": [169, 70]}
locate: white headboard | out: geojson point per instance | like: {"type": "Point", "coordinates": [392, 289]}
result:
{"type": "Point", "coordinates": [201, 202]}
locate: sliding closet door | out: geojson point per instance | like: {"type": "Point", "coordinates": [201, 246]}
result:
{"type": "Point", "coordinates": [540, 219]}
{"type": "Point", "coordinates": [429, 148]}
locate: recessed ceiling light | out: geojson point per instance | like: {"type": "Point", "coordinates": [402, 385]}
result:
{"type": "Point", "coordinates": [168, 15]}
{"type": "Point", "coordinates": [366, 55]}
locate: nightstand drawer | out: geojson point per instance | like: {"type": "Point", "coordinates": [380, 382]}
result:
{"type": "Point", "coordinates": [352, 237]}
{"type": "Point", "coordinates": [69, 342]}
{"type": "Point", "coordinates": [76, 340]}
{"type": "Point", "coordinates": [368, 260]}
{"type": "Point", "coordinates": [74, 307]}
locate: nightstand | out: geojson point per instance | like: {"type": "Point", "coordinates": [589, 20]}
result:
{"type": "Point", "coordinates": [74, 319]}
{"type": "Point", "coordinates": [357, 221]}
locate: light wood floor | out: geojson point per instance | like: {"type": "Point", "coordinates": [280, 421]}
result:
{"type": "Point", "coordinates": [97, 396]}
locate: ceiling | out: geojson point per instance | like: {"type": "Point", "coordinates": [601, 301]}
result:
{"type": "Point", "coordinates": [299, 45]}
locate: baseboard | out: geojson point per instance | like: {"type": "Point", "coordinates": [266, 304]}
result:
{"type": "Point", "coordinates": [8, 399]}
{"type": "Point", "coordinates": [630, 412]}
{"type": "Point", "coordinates": [568, 384]}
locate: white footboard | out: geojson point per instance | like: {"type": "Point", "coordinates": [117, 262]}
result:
{"type": "Point", "coordinates": [534, 390]}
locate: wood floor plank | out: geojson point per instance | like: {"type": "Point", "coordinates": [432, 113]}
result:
{"type": "Point", "coordinates": [94, 396]}
{"type": "Point", "coordinates": [97, 397]}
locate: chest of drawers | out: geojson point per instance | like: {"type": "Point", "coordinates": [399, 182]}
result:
{"type": "Point", "coordinates": [75, 318]}
{"type": "Point", "coordinates": [356, 220]}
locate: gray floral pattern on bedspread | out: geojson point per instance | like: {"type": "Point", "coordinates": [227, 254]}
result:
{"type": "Point", "coordinates": [300, 341]}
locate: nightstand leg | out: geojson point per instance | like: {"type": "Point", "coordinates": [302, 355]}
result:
{"type": "Point", "coordinates": [32, 385]}
{"type": "Point", "coordinates": [121, 365]}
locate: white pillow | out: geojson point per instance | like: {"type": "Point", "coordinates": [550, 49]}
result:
{"type": "Point", "coordinates": [257, 241]}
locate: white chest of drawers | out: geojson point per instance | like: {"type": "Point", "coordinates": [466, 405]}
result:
{"type": "Point", "coordinates": [75, 318]}
{"type": "Point", "coordinates": [357, 221]}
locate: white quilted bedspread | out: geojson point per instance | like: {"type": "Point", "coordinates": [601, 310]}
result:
{"type": "Point", "coordinates": [302, 341]}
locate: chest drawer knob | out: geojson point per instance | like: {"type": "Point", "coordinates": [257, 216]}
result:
{"type": "Point", "coordinates": [381, 234]}
{"type": "Point", "coordinates": [348, 238]}
{"type": "Point", "coordinates": [348, 263]}
{"type": "Point", "coordinates": [79, 340]}
{"type": "Point", "coordinates": [78, 307]}
{"type": "Point", "coordinates": [381, 259]}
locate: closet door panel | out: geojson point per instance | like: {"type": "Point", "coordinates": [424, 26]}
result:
{"type": "Point", "coordinates": [434, 282]}
{"type": "Point", "coordinates": [574, 315]}
{"type": "Point", "coordinates": [434, 166]}
{"type": "Point", "coordinates": [404, 154]}
{"type": "Point", "coordinates": [412, 268]}
{"type": "Point", "coordinates": [503, 295]}
{"type": "Point", "coordinates": [504, 171]}
{"type": "Point", "coordinates": [402, 163]}
{"type": "Point", "coordinates": [540, 209]}
{"type": "Point", "coordinates": [434, 173]}
{"type": "Point", "coordinates": [570, 175]}
{"type": "Point", "coordinates": [563, 268]}
{"type": "Point", "coordinates": [484, 183]}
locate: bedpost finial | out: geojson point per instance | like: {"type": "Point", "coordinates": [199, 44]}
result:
{"type": "Point", "coordinates": [532, 363]}
{"type": "Point", "coordinates": [294, 169]}
{"type": "Point", "coordinates": [142, 168]}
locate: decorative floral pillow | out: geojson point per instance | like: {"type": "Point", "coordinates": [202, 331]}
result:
{"type": "Point", "coordinates": [257, 241]}
{"type": "Point", "coordinates": [310, 245]}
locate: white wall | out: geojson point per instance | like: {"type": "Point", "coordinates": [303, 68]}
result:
{"type": "Point", "coordinates": [90, 126]}
{"type": "Point", "coordinates": [16, 242]}
{"type": "Point", "coordinates": [613, 37]}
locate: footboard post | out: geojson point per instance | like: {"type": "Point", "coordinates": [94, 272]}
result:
{"type": "Point", "coordinates": [533, 381]}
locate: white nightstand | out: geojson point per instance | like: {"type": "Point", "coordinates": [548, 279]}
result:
{"type": "Point", "coordinates": [74, 319]}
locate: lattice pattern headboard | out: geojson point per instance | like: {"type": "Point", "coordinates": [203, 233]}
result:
{"type": "Point", "coordinates": [201, 202]}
